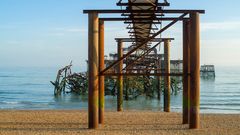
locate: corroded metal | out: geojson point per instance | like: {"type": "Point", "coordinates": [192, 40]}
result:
{"type": "Point", "coordinates": [93, 71]}
{"type": "Point", "coordinates": [186, 70]}
{"type": "Point", "coordinates": [143, 43]}
{"type": "Point", "coordinates": [194, 122]}
{"type": "Point", "coordinates": [140, 58]}
{"type": "Point", "coordinates": [167, 92]}
{"type": "Point", "coordinates": [101, 67]}
{"type": "Point", "coordinates": [120, 78]}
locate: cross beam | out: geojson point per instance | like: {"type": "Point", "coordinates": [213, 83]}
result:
{"type": "Point", "coordinates": [143, 74]}
{"type": "Point", "coordinates": [141, 19]}
{"type": "Point", "coordinates": [134, 39]}
{"type": "Point", "coordinates": [143, 4]}
{"type": "Point", "coordinates": [114, 11]}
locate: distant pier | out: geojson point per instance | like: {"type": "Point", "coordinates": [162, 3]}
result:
{"type": "Point", "coordinates": [207, 71]}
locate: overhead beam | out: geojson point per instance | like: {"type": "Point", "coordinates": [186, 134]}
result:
{"type": "Point", "coordinates": [142, 19]}
{"type": "Point", "coordinates": [149, 22]}
{"type": "Point", "coordinates": [142, 28]}
{"type": "Point", "coordinates": [134, 39]}
{"type": "Point", "coordinates": [143, 4]}
{"type": "Point", "coordinates": [114, 11]}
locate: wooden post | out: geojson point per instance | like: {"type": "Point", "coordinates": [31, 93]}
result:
{"type": "Point", "coordinates": [167, 92]}
{"type": "Point", "coordinates": [101, 67]}
{"type": "Point", "coordinates": [186, 70]}
{"type": "Point", "coordinates": [120, 78]}
{"type": "Point", "coordinates": [93, 70]}
{"type": "Point", "coordinates": [194, 122]}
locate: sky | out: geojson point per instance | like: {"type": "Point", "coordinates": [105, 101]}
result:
{"type": "Point", "coordinates": [51, 33]}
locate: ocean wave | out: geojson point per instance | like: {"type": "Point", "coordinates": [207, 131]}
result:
{"type": "Point", "coordinates": [31, 84]}
{"type": "Point", "coordinates": [217, 108]}
{"type": "Point", "coordinates": [10, 92]}
{"type": "Point", "coordinates": [9, 102]}
{"type": "Point", "coordinates": [24, 103]}
{"type": "Point", "coordinates": [220, 104]}
{"type": "Point", "coordinates": [9, 76]}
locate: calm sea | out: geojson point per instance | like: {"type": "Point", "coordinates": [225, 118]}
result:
{"type": "Point", "coordinates": [30, 89]}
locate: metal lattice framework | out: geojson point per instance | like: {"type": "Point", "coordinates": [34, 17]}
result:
{"type": "Point", "coordinates": [141, 57]}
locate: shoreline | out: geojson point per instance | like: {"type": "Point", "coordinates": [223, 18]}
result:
{"type": "Point", "coordinates": [209, 112]}
{"type": "Point", "coordinates": [116, 123]}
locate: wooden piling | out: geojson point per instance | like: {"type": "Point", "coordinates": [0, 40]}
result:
{"type": "Point", "coordinates": [101, 67]}
{"type": "Point", "coordinates": [167, 92]}
{"type": "Point", "coordinates": [194, 122]}
{"type": "Point", "coordinates": [186, 70]}
{"type": "Point", "coordinates": [93, 70]}
{"type": "Point", "coordinates": [120, 78]}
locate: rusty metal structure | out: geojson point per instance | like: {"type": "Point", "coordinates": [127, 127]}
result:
{"type": "Point", "coordinates": [141, 58]}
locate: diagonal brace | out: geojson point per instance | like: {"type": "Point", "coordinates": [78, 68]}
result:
{"type": "Point", "coordinates": [144, 42]}
{"type": "Point", "coordinates": [144, 54]}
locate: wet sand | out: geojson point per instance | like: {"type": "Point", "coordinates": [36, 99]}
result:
{"type": "Point", "coordinates": [123, 123]}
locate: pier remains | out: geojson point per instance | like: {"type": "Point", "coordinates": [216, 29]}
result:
{"type": "Point", "coordinates": [146, 21]}
{"type": "Point", "coordinates": [207, 71]}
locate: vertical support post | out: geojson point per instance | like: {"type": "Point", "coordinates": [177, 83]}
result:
{"type": "Point", "coordinates": [194, 122]}
{"type": "Point", "coordinates": [120, 78]}
{"type": "Point", "coordinates": [101, 67]}
{"type": "Point", "coordinates": [186, 70]}
{"type": "Point", "coordinates": [158, 85]}
{"type": "Point", "coordinates": [93, 70]}
{"type": "Point", "coordinates": [167, 92]}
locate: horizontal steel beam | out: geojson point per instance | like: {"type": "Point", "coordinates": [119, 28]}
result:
{"type": "Point", "coordinates": [143, 15]}
{"type": "Point", "coordinates": [143, 74]}
{"type": "Point", "coordinates": [140, 32]}
{"type": "Point", "coordinates": [142, 28]}
{"type": "Point", "coordinates": [143, 4]}
{"type": "Point", "coordinates": [142, 19]}
{"type": "Point", "coordinates": [114, 11]}
{"type": "Point", "coordinates": [143, 22]}
{"type": "Point", "coordinates": [133, 39]}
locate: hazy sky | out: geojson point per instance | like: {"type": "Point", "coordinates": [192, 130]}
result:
{"type": "Point", "coordinates": [49, 33]}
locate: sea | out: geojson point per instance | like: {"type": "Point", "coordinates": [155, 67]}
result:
{"type": "Point", "coordinates": [30, 89]}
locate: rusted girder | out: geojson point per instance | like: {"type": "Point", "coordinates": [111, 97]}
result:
{"type": "Point", "coordinates": [143, 14]}
{"type": "Point", "coordinates": [143, 4]}
{"type": "Point", "coordinates": [134, 39]}
{"type": "Point", "coordinates": [149, 22]}
{"type": "Point", "coordinates": [114, 11]}
{"type": "Point", "coordinates": [140, 19]}
{"type": "Point", "coordinates": [143, 74]}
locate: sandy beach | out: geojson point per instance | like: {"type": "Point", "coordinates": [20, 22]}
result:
{"type": "Point", "coordinates": [128, 122]}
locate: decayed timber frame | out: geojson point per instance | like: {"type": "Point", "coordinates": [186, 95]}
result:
{"type": "Point", "coordinates": [191, 55]}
